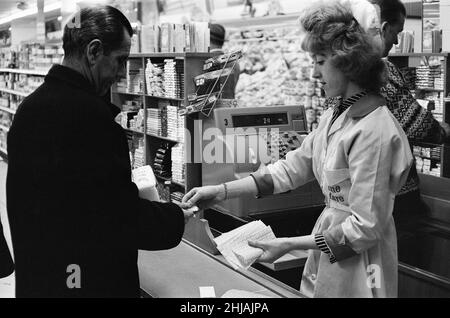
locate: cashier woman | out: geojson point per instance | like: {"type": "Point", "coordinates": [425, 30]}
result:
{"type": "Point", "coordinates": [360, 156]}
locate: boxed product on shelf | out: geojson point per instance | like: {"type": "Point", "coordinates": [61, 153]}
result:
{"type": "Point", "coordinates": [165, 79]}
{"type": "Point", "coordinates": [38, 56]}
{"type": "Point", "coordinates": [7, 57]}
{"type": "Point", "coordinates": [135, 77]}
{"type": "Point", "coordinates": [137, 151]}
{"type": "Point", "coordinates": [154, 78]}
{"type": "Point", "coordinates": [162, 161]}
{"type": "Point", "coordinates": [173, 78]}
{"type": "Point", "coordinates": [178, 166]}
{"type": "Point", "coordinates": [171, 37]}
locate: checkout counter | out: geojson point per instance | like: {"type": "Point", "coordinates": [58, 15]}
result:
{"type": "Point", "coordinates": [424, 258]}
{"type": "Point", "coordinates": [195, 263]}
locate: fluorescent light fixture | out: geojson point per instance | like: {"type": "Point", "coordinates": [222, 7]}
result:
{"type": "Point", "coordinates": [30, 12]}
{"type": "Point", "coordinates": [47, 8]}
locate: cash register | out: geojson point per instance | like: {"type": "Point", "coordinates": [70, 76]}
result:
{"type": "Point", "coordinates": [251, 137]}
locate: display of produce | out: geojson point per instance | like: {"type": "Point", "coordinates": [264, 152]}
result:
{"type": "Point", "coordinates": [275, 71]}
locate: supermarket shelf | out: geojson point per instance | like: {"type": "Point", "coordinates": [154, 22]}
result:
{"type": "Point", "coordinates": [417, 54]}
{"type": "Point", "coordinates": [10, 91]}
{"type": "Point", "coordinates": [166, 98]}
{"type": "Point", "coordinates": [171, 55]}
{"type": "Point", "coordinates": [4, 128]}
{"type": "Point", "coordinates": [133, 131]}
{"type": "Point", "coordinates": [429, 158]}
{"type": "Point", "coordinates": [9, 110]}
{"type": "Point", "coordinates": [150, 96]}
{"type": "Point", "coordinates": [28, 72]}
{"type": "Point", "coordinates": [170, 180]}
{"type": "Point", "coordinates": [126, 93]}
{"type": "Point", "coordinates": [429, 89]}
{"type": "Point", "coordinates": [268, 21]}
{"type": "Point", "coordinates": [163, 138]}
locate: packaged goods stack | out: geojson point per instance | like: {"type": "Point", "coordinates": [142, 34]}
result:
{"type": "Point", "coordinates": [162, 162]}
{"type": "Point", "coordinates": [430, 79]}
{"type": "Point", "coordinates": [44, 56]}
{"type": "Point", "coordinates": [428, 76]}
{"type": "Point", "coordinates": [180, 126]}
{"type": "Point", "coordinates": [139, 160]}
{"type": "Point", "coordinates": [154, 79]}
{"type": "Point", "coordinates": [132, 115]}
{"type": "Point", "coordinates": [172, 122]}
{"type": "Point", "coordinates": [15, 101]}
{"type": "Point", "coordinates": [137, 151]}
{"type": "Point", "coordinates": [154, 121]}
{"type": "Point", "coordinates": [170, 37]}
{"type": "Point", "coordinates": [137, 122]}
{"type": "Point", "coordinates": [173, 78]}
{"type": "Point", "coordinates": [36, 56]}
{"type": "Point", "coordinates": [437, 101]}
{"type": "Point", "coordinates": [428, 160]}
{"type": "Point", "coordinates": [405, 42]}
{"type": "Point", "coordinates": [178, 167]}
{"type": "Point", "coordinates": [135, 77]}
{"type": "Point", "coordinates": [7, 57]}
{"type": "Point", "coordinates": [25, 83]}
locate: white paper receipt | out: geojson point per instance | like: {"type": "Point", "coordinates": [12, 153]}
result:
{"type": "Point", "coordinates": [234, 246]}
{"type": "Point", "coordinates": [207, 292]}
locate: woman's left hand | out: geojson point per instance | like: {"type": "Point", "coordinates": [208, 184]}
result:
{"type": "Point", "coordinates": [273, 249]}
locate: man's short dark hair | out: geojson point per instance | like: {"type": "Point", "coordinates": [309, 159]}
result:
{"type": "Point", "coordinates": [217, 34]}
{"type": "Point", "coordinates": [391, 10]}
{"type": "Point", "coordinates": [105, 23]}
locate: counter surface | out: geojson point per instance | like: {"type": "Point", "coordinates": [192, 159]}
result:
{"type": "Point", "coordinates": [179, 272]}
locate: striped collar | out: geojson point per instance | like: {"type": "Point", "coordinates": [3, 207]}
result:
{"type": "Point", "coordinates": [365, 105]}
{"type": "Point", "coordinates": [350, 101]}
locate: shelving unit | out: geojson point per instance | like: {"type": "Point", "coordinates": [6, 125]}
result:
{"type": "Point", "coordinates": [412, 60]}
{"type": "Point", "coordinates": [9, 104]}
{"type": "Point", "coordinates": [192, 66]}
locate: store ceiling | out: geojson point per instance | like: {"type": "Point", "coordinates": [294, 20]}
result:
{"type": "Point", "coordinates": [8, 7]}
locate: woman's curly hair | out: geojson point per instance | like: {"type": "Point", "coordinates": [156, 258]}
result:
{"type": "Point", "coordinates": [330, 28]}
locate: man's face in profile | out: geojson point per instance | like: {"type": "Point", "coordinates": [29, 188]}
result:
{"type": "Point", "coordinates": [112, 67]}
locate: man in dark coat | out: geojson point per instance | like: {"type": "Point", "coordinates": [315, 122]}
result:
{"type": "Point", "coordinates": [76, 219]}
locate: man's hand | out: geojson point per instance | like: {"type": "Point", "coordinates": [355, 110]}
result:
{"type": "Point", "coordinates": [188, 213]}
{"type": "Point", "coordinates": [203, 197]}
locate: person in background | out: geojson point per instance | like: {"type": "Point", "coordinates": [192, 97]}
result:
{"type": "Point", "coordinates": [360, 156]}
{"type": "Point", "coordinates": [417, 122]}
{"type": "Point", "coordinates": [77, 221]}
{"type": "Point", "coordinates": [217, 39]}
